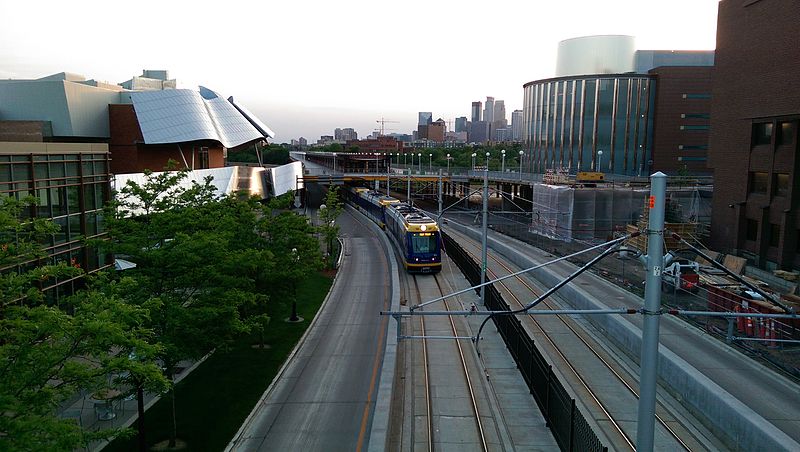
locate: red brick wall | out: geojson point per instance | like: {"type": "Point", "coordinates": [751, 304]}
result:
{"type": "Point", "coordinates": [672, 83]}
{"type": "Point", "coordinates": [130, 155]}
{"type": "Point", "coordinates": [756, 77]}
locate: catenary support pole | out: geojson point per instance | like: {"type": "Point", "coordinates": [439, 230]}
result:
{"type": "Point", "coordinates": [408, 193]}
{"type": "Point", "coordinates": [484, 229]}
{"type": "Point", "coordinates": [440, 192]}
{"type": "Point", "coordinates": [652, 314]}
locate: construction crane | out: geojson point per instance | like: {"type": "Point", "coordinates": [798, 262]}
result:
{"type": "Point", "coordinates": [383, 121]}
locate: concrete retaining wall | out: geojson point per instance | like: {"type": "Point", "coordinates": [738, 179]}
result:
{"type": "Point", "coordinates": [741, 427]}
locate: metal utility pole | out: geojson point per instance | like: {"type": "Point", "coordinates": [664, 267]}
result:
{"type": "Point", "coordinates": [408, 194]}
{"type": "Point", "coordinates": [440, 192]}
{"type": "Point", "coordinates": [484, 229]}
{"type": "Point", "coordinates": [652, 314]}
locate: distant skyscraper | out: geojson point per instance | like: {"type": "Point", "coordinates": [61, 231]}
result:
{"type": "Point", "coordinates": [476, 111]}
{"type": "Point", "coordinates": [488, 110]}
{"type": "Point", "coordinates": [516, 125]}
{"type": "Point", "coordinates": [499, 120]}
{"type": "Point", "coordinates": [499, 110]}
{"type": "Point", "coordinates": [478, 132]}
{"type": "Point", "coordinates": [345, 134]}
{"type": "Point", "coordinates": [425, 118]}
{"type": "Point", "coordinates": [461, 124]}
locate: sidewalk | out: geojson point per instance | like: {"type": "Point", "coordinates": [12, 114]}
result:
{"type": "Point", "coordinates": [94, 415]}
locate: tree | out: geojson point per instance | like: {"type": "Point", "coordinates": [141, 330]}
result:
{"type": "Point", "coordinates": [328, 215]}
{"type": "Point", "coordinates": [47, 354]}
{"type": "Point", "coordinates": [195, 257]}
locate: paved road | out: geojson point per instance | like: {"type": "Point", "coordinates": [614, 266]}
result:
{"type": "Point", "coordinates": [325, 398]}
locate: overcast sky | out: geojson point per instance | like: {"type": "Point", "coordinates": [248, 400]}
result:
{"type": "Point", "coordinates": [305, 67]}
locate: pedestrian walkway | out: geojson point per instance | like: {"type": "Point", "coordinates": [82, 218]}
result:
{"type": "Point", "coordinates": [111, 409]}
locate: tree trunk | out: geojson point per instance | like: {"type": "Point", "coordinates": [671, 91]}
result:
{"type": "Point", "coordinates": [140, 420]}
{"type": "Point", "coordinates": [173, 439]}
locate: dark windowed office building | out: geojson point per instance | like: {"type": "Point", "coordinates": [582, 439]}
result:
{"type": "Point", "coordinates": [754, 148]}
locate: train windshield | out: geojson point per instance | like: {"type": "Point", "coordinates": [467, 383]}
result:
{"type": "Point", "coordinates": [424, 242]}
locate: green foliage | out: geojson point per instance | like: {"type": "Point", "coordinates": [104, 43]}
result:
{"type": "Point", "coordinates": [273, 154]}
{"type": "Point", "coordinates": [328, 215]}
{"type": "Point", "coordinates": [206, 267]}
{"type": "Point", "coordinates": [229, 383]}
{"type": "Point", "coordinates": [47, 355]}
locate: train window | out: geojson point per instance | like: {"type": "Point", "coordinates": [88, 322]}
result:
{"type": "Point", "coordinates": [423, 243]}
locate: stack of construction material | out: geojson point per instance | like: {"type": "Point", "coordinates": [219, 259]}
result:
{"type": "Point", "coordinates": [685, 230]}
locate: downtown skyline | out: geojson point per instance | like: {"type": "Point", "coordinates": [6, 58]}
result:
{"type": "Point", "coordinates": [290, 69]}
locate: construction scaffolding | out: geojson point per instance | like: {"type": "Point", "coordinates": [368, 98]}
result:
{"type": "Point", "coordinates": [568, 213]}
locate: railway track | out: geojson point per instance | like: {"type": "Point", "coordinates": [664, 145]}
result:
{"type": "Point", "coordinates": [452, 398]}
{"type": "Point", "coordinates": [550, 326]}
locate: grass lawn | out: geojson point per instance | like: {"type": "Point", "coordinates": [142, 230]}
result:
{"type": "Point", "coordinates": [213, 401]}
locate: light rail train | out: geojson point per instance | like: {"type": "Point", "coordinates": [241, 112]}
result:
{"type": "Point", "coordinates": [413, 233]}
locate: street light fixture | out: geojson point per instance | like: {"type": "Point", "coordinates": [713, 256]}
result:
{"type": "Point", "coordinates": [448, 163]}
{"type": "Point", "coordinates": [419, 161]}
{"type": "Point", "coordinates": [503, 165]}
{"type": "Point", "coordinates": [473, 161]}
{"type": "Point", "coordinates": [521, 153]}
{"type": "Point", "coordinates": [430, 162]}
{"type": "Point", "coordinates": [599, 160]}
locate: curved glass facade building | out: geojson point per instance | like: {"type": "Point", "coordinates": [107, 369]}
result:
{"type": "Point", "coordinates": [568, 121]}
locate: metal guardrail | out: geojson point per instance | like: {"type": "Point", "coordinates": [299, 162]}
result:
{"type": "Point", "coordinates": [570, 429]}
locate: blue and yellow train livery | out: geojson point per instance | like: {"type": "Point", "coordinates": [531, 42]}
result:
{"type": "Point", "coordinates": [415, 234]}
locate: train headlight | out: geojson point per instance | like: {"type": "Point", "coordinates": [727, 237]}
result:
{"type": "Point", "coordinates": [423, 227]}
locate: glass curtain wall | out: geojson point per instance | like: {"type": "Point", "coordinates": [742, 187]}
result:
{"type": "Point", "coordinates": [568, 121]}
{"type": "Point", "coordinates": [71, 189]}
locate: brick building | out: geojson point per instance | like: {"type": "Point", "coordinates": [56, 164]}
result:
{"type": "Point", "coordinates": [681, 118]}
{"type": "Point", "coordinates": [131, 153]}
{"type": "Point", "coordinates": [754, 132]}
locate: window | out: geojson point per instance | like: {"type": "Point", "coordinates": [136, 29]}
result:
{"type": "Point", "coordinates": [203, 156]}
{"type": "Point", "coordinates": [774, 234]}
{"type": "Point", "coordinates": [697, 96]}
{"type": "Point", "coordinates": [752, 230]}
{"type": "Point", "coordinates": [781, 184]}
{"type": "Point", "coordinates": [759, 182]}
{"type": "Point", "coordinates": [762, 133]}
{"type": "Point", "coordinates": [423, 243]}
{"type": "Point", "coordinates": [785, 133]}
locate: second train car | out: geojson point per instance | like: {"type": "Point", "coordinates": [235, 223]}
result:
{"type": "Point", "coordinates": [416, 235]}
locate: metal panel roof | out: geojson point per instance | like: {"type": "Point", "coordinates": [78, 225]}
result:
{"type": "Point", "coordinates": [174, 116]}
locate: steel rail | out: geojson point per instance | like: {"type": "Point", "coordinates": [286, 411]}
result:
{"type": "Point", "coordinates": [591, 348]}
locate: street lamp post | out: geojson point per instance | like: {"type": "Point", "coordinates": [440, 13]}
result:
{"type": "Point", "coordinates": [503, 158]}
{"type": "Point", "coordinates": [448, 163]}
{"type": "Point", "coordinates": [521, 153]}
{"type": "Point", "coordinates": [419, 161]}
{"type": "Point", "coordinates": [599, 160]}
{"type": "Point", "coordinates": [430, 162]}
{"type": "Point", "coordinates": [473, 161]}
{"type": "Point", "coordinates": [293, 317]}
